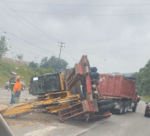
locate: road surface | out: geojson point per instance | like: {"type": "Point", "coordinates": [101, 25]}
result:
{"type": "Point", "coordinates": [5, 96]}
{"type": "Point", "coordinates": [41, 124]}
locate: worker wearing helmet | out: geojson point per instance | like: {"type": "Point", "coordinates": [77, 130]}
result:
{"type": "Point", "coordinates": [12, 82]}
{"type": "Point", "coordinates": [17, 90]}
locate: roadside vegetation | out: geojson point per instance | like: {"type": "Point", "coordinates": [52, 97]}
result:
{"type": "Point", "coordinates": [143, 80]}
{"type": "Point", "coordinates": [146, 98]}
{"type": "Point", "coordinates": [50, 65]}
{"type": "Point", "coordinates": [25, 72]}
{"type": "Point", "coordinates": [6, 68]}
{"type": "Point", "coordinates": [46, 65]}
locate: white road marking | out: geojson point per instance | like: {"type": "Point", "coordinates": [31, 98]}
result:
{"type": "Point", "coordinates": [40, 132]}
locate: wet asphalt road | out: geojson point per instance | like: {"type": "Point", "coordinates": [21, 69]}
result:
{"type": "Point", "coordinates": [129, 124]}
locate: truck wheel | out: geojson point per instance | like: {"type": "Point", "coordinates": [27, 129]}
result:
{"type": "Point", "coordinates": [105, 108]}
{"type": "Point", "coordinates": [105, 102]}
{"type": "Point", "coordinates": [135, 106]}
{"type": "Point", "coordinates": [120, 111]}
{"type": "Point", "coordinates": [125, 108]}
{"type": "Point", "coordinates": [146, 115]}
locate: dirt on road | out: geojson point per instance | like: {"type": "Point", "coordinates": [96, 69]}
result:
{"type": "Point", "coordinates": [31, 119]}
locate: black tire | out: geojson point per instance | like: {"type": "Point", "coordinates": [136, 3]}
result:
{"type": "Point", "coordinates": [125, 108]}
{"type": "Point", "coordinates": [134, 108]}
{"type": "Point", "coordinates": [146, 114]}
{"type": "Point", "coordinates": [120, 110]}
{"type": "Point", "coordinates": [107, 107]}
{"type": "Point", "coordinates": [105, 102]}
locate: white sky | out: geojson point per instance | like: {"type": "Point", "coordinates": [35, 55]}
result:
{"type": "Point", "coordinates": [114, 34]}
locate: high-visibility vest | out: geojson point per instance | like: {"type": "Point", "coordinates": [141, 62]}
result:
{"type": "Point", "coordinates": [17, 86]}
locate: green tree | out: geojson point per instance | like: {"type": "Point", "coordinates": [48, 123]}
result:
{"type": "Point", "coordinates": [20, 57]}
{"type": "Point", "coordinates": [54, 63]}
{"type": "Point", "coordinates": [143, 80]}
{"type": "Point", "coordinates": [3, 46]}
{"type": "Point", "coordinates": [33, 65]}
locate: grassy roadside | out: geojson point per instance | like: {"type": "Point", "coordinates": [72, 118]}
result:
{"type": "Point", "coordinates": [25, 72]}
{"type": "Point", "coordinates": [146, 98]}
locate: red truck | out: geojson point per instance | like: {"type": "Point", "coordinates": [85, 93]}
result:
{"type": "Point", "coordinates": [121, 89]}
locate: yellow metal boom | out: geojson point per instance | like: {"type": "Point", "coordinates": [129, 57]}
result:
{"type": "Point", "coordinates": [52, 102]}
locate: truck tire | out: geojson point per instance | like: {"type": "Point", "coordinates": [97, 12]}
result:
{"type": "Point", "coordinates": [120, 110]}
{"type": "Point", "coordinates": [108, 107]}
{"type": "Point", "coordinates": [105, 102]}
{"type": "Point", "coordinates": [146, 114]}
{"type": "Point", "coordinates": [125, 108]}
{"type": "Point", "coordinates": [135, 106]}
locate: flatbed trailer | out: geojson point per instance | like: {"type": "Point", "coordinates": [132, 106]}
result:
{"type": "Point", "coordinates": [121, 89]}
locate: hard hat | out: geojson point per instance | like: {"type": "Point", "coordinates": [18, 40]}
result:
{"type": "Point", "coordinates": [13, 73]}
{"type": "Point", "coordinates": [18, 77]}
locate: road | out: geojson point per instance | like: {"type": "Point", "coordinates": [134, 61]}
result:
{"type": "Point", "coordinates": [5, 96]}
{"type": "Point", "coordinates": [40, 124]}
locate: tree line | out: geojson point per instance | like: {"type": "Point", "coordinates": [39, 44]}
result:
{"type": "Point", "coordinates": [143, 80]}
{"type": "Point", "coordinates": [49, 65]}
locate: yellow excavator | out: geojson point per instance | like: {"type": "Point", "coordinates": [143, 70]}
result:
{"type": "Point", "coordinates": [70, 94]}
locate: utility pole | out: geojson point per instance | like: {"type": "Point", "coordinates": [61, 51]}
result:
{"type": "Point", "coordinates": [60, 51]}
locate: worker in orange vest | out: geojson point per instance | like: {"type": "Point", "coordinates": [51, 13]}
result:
{"type": "Point", "coordinates": [17, 89]}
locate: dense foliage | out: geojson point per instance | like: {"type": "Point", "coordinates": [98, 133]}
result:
{"type": "Point", "coordinates": [33, 65]}
{"type": "Point", "coordinates": [3, 46]}
{"type": "Point", "coordinates": [54, 63]}
{"type": "Point", "coordinates": [143, 80]}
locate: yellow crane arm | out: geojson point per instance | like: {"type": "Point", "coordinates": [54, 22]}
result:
{"type": "Point", "coordinates": [53, 102]}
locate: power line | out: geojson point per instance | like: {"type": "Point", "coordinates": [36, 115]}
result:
{"type": "Point", "coordinates": [24, 33]}
{"type": "Point", "coordinates": [26, 50]}
{"type": "Point", "coordinates": [20, 22]}
{"type": "Point", "coordinates": [98, 15]}
{"type": "Point", "coordinates": [71, 55]}
{"type": "Point", "coordinates": [82, 5]}
{"type": "Point", "coordinates": [30, 44]}
{"type": "Point", "coordinates": [7, 5]}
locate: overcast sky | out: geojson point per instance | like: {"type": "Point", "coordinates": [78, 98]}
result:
{"type": "Point", "coordinates": [114, 34]}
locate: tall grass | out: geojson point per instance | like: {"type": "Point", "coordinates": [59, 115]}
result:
{"type": "Point", "coordinates": [25, 72]}
{"type": "Point", "coordinates": [146, 98]}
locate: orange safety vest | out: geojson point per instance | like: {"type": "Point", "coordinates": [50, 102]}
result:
{"type": "Point", "coordinates": [17, 86]}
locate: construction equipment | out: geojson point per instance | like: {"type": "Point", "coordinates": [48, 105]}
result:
{"type": "Point", "coordinates": [74, 93]}
{"type": "Point", "coordinates": [91, 99]}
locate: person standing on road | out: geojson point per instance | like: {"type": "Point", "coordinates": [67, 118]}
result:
{"type": "Point", "coordinates": [17, 90]}
{"type": "Point", "coordinates": [12, 82]}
